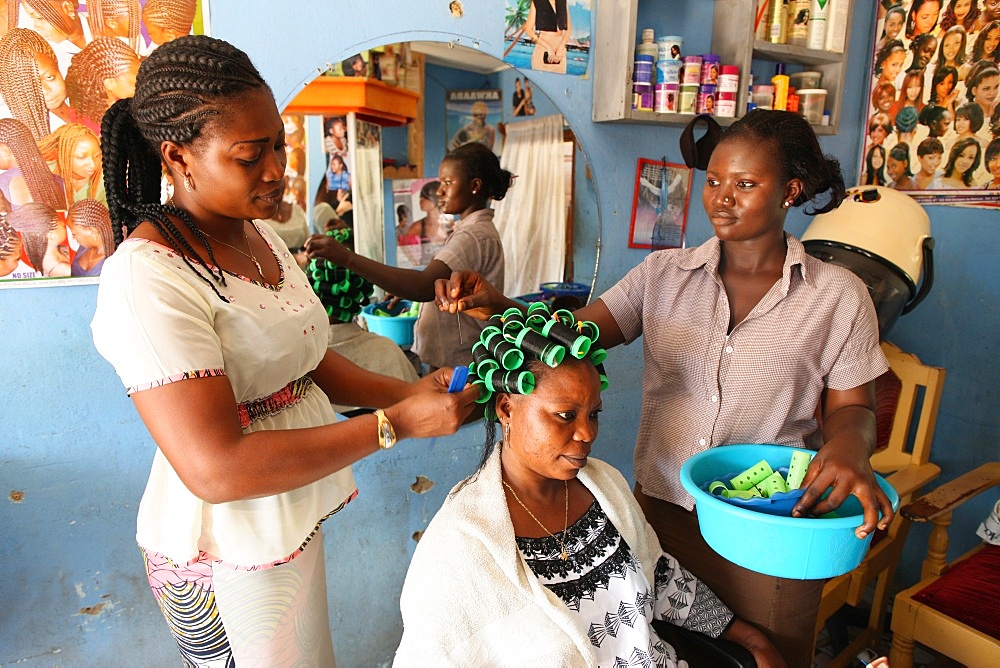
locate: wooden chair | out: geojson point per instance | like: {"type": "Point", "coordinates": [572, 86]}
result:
{"type": "Point", "coordinates": [966, 589]}
{"type": "Point", "coordinates": [904, 461]}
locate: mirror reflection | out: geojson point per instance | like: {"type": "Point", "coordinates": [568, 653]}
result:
{"type": "Point", "coordinates": [377, 171]}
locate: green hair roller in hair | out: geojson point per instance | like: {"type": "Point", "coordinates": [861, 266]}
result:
{"type": "Point", "coordinates": [522, 336]}
{"type": "Point", "coordinates": [514, 381]}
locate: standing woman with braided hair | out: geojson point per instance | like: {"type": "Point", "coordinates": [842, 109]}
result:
{"type": "Point", "coordinates": [222, 346]}
{"type": "Point", "coordinates": [469, 178]}
{"type": "Point", "coordinates": [746, 339]}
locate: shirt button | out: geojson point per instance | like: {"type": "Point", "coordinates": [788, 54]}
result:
{"type": "Point", "coordinates": [729, 349]}
{"type": "Point", "coordinates": [702, 441]}
{"type": "Point", "coordinates": [715, 398]}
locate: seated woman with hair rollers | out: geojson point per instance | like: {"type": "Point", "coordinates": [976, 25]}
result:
{"type": "Point", "coordinates": [746, 339]}
{"type": "Point", "coordinates": [542, 557]}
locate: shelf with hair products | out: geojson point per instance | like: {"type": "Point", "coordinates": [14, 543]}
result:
{"type": "Point", "coordinates": [732, 39]}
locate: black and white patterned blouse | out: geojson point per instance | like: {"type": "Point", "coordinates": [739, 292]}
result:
{"type": "Point", "coordinates": [605, 586]}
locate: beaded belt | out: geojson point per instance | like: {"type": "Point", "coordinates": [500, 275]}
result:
{"type": "Point", "coordinates": [275, 403]}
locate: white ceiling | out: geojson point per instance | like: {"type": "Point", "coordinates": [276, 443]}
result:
{"type": "Point", "coordinates": [459, 57]}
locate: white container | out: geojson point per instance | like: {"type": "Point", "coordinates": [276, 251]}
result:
{"type": "Point", "coordinates": [817, 24]}
{"type": "Point", "coordinates": [807, 79]}
{"type": "Point", "coordinates": [812, 101]}
{"type": "Point", "coordinates": [669, 47]}
{"type": "Point", "coordinates": [837, 20]}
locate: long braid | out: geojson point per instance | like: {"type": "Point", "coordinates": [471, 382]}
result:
{"type": "Point", "coordinates": [20, 86]}
{"type": "Point", "coordinates": [34, 220]}
{"type": "Point", "coordinates": [176, 16]}
{"type": "Point", "coordinates": [59, 147]}
{"type": "Point", "coordinates": [179, 90]}
{"type": "Point", "coordinates": [58, 20]}
{"type": "Point", "coordinates": [91, 214]}
{"type": "Point", "coordinates": [98, 11]}
{"type": "Point", "coordinates": [41, 183]}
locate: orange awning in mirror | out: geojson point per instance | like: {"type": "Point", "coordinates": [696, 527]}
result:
{"type": "Point", "coordinates": [371, 99]}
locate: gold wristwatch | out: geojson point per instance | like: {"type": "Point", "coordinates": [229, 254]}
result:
{"type": "Point", "coordinates": [386, 434]}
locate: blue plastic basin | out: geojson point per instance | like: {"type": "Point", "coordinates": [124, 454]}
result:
{"type": "Point", "coordinates": [801, 548]}
{"type": "Point", "coordinates": [399, 328]}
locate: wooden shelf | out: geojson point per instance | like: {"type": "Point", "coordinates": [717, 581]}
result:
{"type": "Point", "coordinates": [372, 100]}
{"type": "Point", "coordinates": [732, 39]}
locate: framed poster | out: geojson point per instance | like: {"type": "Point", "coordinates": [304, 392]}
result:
{"type": "Point", "coordinates": [659, 205]}
{"type": "Point", "coordinates": [548, 35]}
{"type": "Point", "coordinates": [472, 116]}
{"type": "Point", "coordinates": [933, 127]}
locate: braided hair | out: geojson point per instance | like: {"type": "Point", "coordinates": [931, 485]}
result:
{"type": "Point", "coordinates": [175, 16]}
{"type": "Point", "coordinates": [42, 184]}
{"type": "Point", "coordinates": [59, 20]}
{"type": "Point", "coordinates": [20, 86]}
{"type": "Point", "coordinates": [797, 151]}
{"type": "Point", "coordinates": [179, 92]}
{"type": "Point", "coordinates": [100, 11]}
{"type": "Point", "coordinates": [10, 243]}
{"type": "Point", "coordinates": [103, 58]}
{"type": "Point", "coordinates": [34, 220]}
{"type": "Point", "coordinates": [59, 148]}
{"type": "Point", "coordinates": [340, 290]}
{"type": "Point", "coordinates": [91, 214]}
{"type": "Point", "coordinates": [516, 347]}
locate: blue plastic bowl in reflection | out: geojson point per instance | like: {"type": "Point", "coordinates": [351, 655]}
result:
{"type": "Point", "coordinates": [802, 548]}
{"type": "Point", "coordinates": [399, 328]}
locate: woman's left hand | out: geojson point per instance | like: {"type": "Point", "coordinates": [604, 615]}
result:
{"type": "Point", "coordinates": [328, 248]}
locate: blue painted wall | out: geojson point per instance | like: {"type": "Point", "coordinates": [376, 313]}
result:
{"type": "Point", "coordinates": [72, 449]}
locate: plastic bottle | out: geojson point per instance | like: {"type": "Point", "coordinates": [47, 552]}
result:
{"type": "Point", "coordinates": [798, 22]}
{"type": "Point", "coordinates": [760, 21]}
{"type": "Point", "coordinates": [647, 47]}
{"type": "Point", "coordinates": [817, 24]}
{"type": "Point", "coordinates": [780, 83]}
{"type": "Point", "coordinates": [777, 19]}
{"type": "Point", "coordinates": [837, 21]}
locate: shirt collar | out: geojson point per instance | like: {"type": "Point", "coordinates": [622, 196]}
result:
{"type": "Point", "coordinates": [709, 254]}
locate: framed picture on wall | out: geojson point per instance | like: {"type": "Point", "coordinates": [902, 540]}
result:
{"type": "Point", "coordinates": [659, 205]}
{"type": "Point", "coordinates": [472, 116]}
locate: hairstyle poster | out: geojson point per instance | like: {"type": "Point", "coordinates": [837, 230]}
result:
{"type": "Point", "coordinates": [64, 64]}
{"type": "Point", "coordinates": [932, 116]}
{"type": "Point", "coordinates": [421, 226]}
{"type": "Point", "coordinates": [548, 35]}
{"type": "Point", "coordinates": [472, 116]}
{"type": "Point", "coordinates": [659, 205]}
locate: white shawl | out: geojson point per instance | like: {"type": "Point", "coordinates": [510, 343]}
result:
{"type": "Point", "coordinates": [469, 597]}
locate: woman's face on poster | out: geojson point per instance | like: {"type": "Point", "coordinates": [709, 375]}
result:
{"type": "Point", "coordinates": [991, 41]}
{"type": "Point", "coordinates": [878, 134]}
{"type": "Point", "coordinates": [51, 80]}
{"type": "Point", "coordinates": [86, 158]}
{"type": "Point", "coordinates": [940, 127]}
{"type": "Point", "coordinates": [893, 25]}
{"type": "Point", "coordinates": [950, 46]}
{"type": "Point", "coordinates": [123, 85]}
{"type": "Point", "coordinates": [945, 86]}
{"type": "Point", "coordinates": [923, 55]}
{"type": "Point", "coordinates": [994, 167]}
{"type": "Point", "coordinates": [926, 17]}
{"type": "Point", "coordinates": [965, 159]}
{"type": "Point", "coordinates": [962, 9]}
{"type": "Point", "coordinates": [88, 237]}
{"type": "Point", "coordinates": [892, 65]}
{"type": "Point", "coordinates": [884, 99]}
{"type": "Point", "coordinates": [878, 158]}
{"type": "Point", "coordinates": [894, 168]}
{"type": "Point", "coordinates": [962, 124]}
{"type": "Point", "coordinates": [913, 87]}
{"type": "Point", "coordinates": [985, 94]}
{"type": "Point", "coordinates": [42, 26]}
{"type": "Point", "coordinates": [991, 10]}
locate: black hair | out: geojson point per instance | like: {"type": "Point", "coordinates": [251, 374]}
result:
{"type": "Point", "coordinates": [956, 150]}
{"type": "Point", "coordinates": [180, 91]}
{"type": "Point", "coordinates": [429, 191]}
{"type": "Point", "coordinates": [950, 20]}
{"type": "Point", "coordinates": [918, 43]}
{"type": "Point", "coordinates": [940, 74]}
{"type": "Point", "coordinates": [929, 146]}
{"type": "Point", "coordinates": [992, 150]}
{"type": "Point", "coordinates": [479, 162]}
{"type": "Point", "coordinates": [979, 46]}
{"type": "Point", "coordinates": [798, 153]}
{"type": "Point", "coordinates": [911, 16]}
{"type": "Point", "coordinates": [901, 153]}
{"type": "Point", "coordinates": [887, 49]}
{"type": "Point", "coordinates": [931, 114]}
{"type": "Point", "coordinates": [895, 9]}
{"type": "Point", "coordinates": [873, 176]}
{"type": "Point", "coordinates": [979, 71]}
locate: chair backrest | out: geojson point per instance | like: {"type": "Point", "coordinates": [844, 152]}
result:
{"type": "Point", "coordinates": [915, 414]}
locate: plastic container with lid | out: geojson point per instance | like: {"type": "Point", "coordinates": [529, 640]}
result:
{"type": "Point", "coordinates": [691, 72]}
{"type": "Point", "coordinates": [669, 47]}
{"type": "Point", "coordinates": [729, 79]}
{"type": "Point", "coordinates": [812, 101]}
{"type": "Point", "coordinates": [710, 64]}
{"type": "Point", "coordinates": [762, 96]}
{"type": "Point", "coordinates": [668, 71]}
{"type": "Point", "coordinates": [687, 101]}
{"type": "Point", "coordinates": [805, 79]}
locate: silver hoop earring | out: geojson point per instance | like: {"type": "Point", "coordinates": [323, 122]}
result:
{"type": "Point", "coordinates": [187, 183]}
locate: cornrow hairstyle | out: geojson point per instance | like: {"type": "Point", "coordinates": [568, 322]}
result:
{"type": "Point", "coordinates": [517, 346]}
{"type": "Point", "coordinates": [479, 162]}
{"type": "Point", "coordinates": [91, 214]}
{"type": "Point", "coordinates": [20, 86]}
{"type": "Point", "coordinates": [103, 58]}
{"type": "Point", "coordinates": [179, 91]}
{"type": "Point", "coordinates": [42, 184]}
{"type": "Point", "coordinates": [99, 11]}
{"type": "Point", "coordinates": [10, 243]}
{"type": "Point", "coordinates": [174, 15]}
{"type": "Point", "coordinates": [59, 148]}
{"type": "Point", "coordinates": [340, 290]}
{"type": "Point", "coordinates": [34, 221]}
{"type": "Point", "coordinates": [796, 150]}
{"type": "Point", "coordinates": [48, 11]}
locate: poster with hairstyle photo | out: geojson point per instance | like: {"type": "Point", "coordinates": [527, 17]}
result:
{"type": "Point", "coordinates": [932, 107]}
{"type": "Point", "coordinates": [63, 68]}
{"type": "Point", "coordinates": [421, 226]}
{"type": "Point", "coordinates": [660, 205]}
